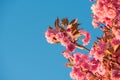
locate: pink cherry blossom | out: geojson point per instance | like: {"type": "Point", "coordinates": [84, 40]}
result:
{"type": "Point", "coordinates": [70, 47]}
{"type": "Point", "coordinates": [86, 40]}
{"type": "Point", "coordinates": [88, 76]}
{"type": "Point", "coordinates": [98, 51]}
{"type": "Point", "coordinates": [102, 61]}
{"type": "Point", "coordinates": [77, 74]}
{"type": "Point", "coordinates": [117, 34]}
{"type": "Point", "coordinates": [111, 13]}
{"type": "Point", "coordinates": [66, 54]}
{"type": "Point", "coordinates": [115, 75]}
{"type": "Point", "coordinates": [94, 23]}
{"type": "Point", "coordinates": [118, 53]}
{"type": "Point", "coordinates": [118, 59]}
{"type": "Point", "coordinates": [60, 35]}
{"type": "Point", "coordinates": [105, 11]}
{"type": "Point", "coordinates": [85, 66]}
{"type": "Point", "coordinates": [101, 70]}
{"type": "Point", "coordinates": [94, 64]}
{"type": "Point", "coordinates": [79, 58]}
{"type": "Point", "coordinates": [50, 35]}
{"type": "Point", "coordinates": [65, 41]}
{"type": "Point", "coordinates": [115, 41]}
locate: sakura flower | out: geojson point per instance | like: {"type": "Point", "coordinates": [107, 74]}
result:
{"type": "Point", "coordinates": [102, 45]}
{"type": "Point", "coordinates": [86, 40]}
{"type": "Point", "coordinates": [66, 54]}
{"type": "Point", "coordinates": [111, 13]}
{"type": "Point", "coordinates": [50, 35]}
{"type": "Point", "coordinates": [77, 74]}
{"type": "Point", "coordinates": [89, 76]}
{"type": "Point", "coordinates": [70, 47]}
{"type": "Point", "coordinates": [94, 8]}
{"type": "Point", "coordinates": [94, 64]}
{"type": "Point", "coordinates": [65, 41]}
{"type": "Point", "coordinates": [117, 34]}
{"type": "Point", "coordinates": [77, 59]}
{"type": "Point", "coordinates": [118, 59]}
{"type": "Point", "coordinates": [115, 75]}
{"type": "Point", "coordinates": [118, 53]}
{"type": "Point", "coordinates": [98, 54]}
{"type": "Point", "coordinates": [80, 60]}
{"type": "Point", "coordinates": [60, 35]}
{"type": "Point", "coordinates": [101, 69]}
{"type": "Point", "coordinates": [72, 75]}
{"type": "Point", "coordinates": [98, 51]}
{"type": "Point", "coordinates": [115, 41]}
{"type": "Point", "coordinates": [94, 23]}
{"type": "Point", "coordinates": [105, 11]}
{"type": "Point", "coordinates": [85, 66]}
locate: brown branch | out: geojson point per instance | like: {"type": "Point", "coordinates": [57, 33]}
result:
{"type": "Point", "coordinates": [88, 71]}
{"type": "Point", "coordinates": [81, 47]}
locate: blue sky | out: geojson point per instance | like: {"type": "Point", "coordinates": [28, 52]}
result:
{"type": "Point", "coordinates": [24, 52]}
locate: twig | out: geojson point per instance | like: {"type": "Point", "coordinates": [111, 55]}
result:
{"type": "Point", "coordinates": [81, 47]}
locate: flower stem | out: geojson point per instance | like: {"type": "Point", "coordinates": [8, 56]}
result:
{"type": "Point", "coordinates": [81, 47]}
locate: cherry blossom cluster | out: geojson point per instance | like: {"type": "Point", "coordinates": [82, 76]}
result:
{"type": "Point", "coordinates": [106, 12]}
{"type": "Point", "coordinates": [85, 69]}
{"type": "Point", "coordinates": [67, 34]}
{"type": "Point", "coordinates": [103, 60]}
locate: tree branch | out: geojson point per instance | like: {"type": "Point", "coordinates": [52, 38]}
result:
{"type": "Point", "coordinates": [81, 47]}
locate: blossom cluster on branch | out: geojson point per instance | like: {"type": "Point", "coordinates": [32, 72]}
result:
{"type": "Point", "coordinates": [103, 60]}
{"type": "Point", "coordinates": [68, 35]}
{"type": "Point", "coordinates": [106, 12]}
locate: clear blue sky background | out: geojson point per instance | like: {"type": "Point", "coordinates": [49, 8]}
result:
{"type": "Point", "coordinates": [24, 52]}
